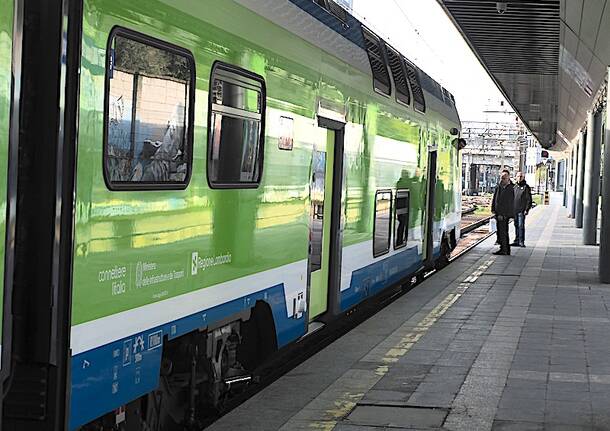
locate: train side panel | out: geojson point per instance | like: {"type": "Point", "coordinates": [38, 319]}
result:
{"type": "Point", "coordinates": [153, 265]}
{"type": "Point", "coordinates": [383, 154]}
{"type": "Point", "coordinates": [449, 197]}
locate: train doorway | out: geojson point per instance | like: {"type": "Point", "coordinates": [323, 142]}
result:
{"type": "Point", "coordinates": [324, 229]}
{"type": "Point", "coordinates": [321, 192]}
{"type": "Point", "coordinates": [430, 207]}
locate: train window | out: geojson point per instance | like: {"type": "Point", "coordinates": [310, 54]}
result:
{"type": "Point", "coordinates": [401, 218]}
{"type": "Point", "coordinates": [419, 102]}
{"type": "Point", "coordinates": [383, 222]}
{"type": "Point", "coordinates": [148, 113]}
{"type": "Point", "coordinates": [236, 125]}
{"type": "Point", "coordinates": [399, 76]}
{"type": "Point", "coordinates": [374, 50]}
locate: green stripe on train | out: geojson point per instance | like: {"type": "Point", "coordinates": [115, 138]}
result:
{"type": "Point", "coordinates": [123, 238]}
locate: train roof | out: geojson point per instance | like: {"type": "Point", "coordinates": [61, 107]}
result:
{"type": "Point", "coordinates": [332, 28]}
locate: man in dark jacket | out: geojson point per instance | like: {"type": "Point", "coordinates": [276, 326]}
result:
{"type": "Point", "coordinates": [523, 203]}
{"type": "Point", "coordinates": [502, 206]}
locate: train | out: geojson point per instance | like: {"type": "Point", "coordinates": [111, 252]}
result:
{"type": "Point", "coordinates": [192, 187]}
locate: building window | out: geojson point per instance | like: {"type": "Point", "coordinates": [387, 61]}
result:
{"type": "Point", "coordinates": [383, 222]}
{"type": "Point", "coordinates": [236, 127]}
{"type": "Point", "coordinates": [148, 113]}
{"type": "Point", "coordinates": [401, 218]}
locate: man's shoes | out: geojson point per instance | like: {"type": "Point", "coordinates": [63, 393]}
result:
{"type": "Point", "coordinates": [500, 253]}
{"type": "Point", "coordinates": [522, 245]}
{"type": "Point", "coordinates": [515, 244]}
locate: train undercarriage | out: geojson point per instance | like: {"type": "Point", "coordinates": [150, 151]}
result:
{"type": "Point", "coordinates": [200, 372]}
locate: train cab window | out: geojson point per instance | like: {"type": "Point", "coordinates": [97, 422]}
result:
{"type": "Point", "coordinates": [148, 114]}
{"type": "Point", "coordinates": [236, 125]}
{"type": "Point", "coordinates": [401, 218]}
{"type": "Point", "coordinates": [383, 222]}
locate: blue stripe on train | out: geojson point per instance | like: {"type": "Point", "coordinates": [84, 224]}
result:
{"type": "Point", "coordinates": [371, 279]}
{"type": "Point", "coordinates": [114, 374]}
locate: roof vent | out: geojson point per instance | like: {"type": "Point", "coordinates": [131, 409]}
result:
{"type": "Point", "coordinates": [399, 76]}
{"type": "Point", "coordinates": [419, 102]}
{"type": "Point", "coordinates": [374, 49]}
{"type": "Point", "coordinates": [447, 97]}
{"type": "Point", "coordinates": [337, 10]}
{"type": "Point", "coordinates": [334, 8]}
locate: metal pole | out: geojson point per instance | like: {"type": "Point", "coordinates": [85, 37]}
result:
{"type": "Point", "coordinates": [573, 175]}
{"type": "Point", "coordinates": [591, 190]}
{"type": "Point", "coordinates": [580, 183]}
{"type": "Point", "coordinates": [565, 183]}
{"type": "Point", "coordinates": [604, 245]}
{"type": "Point", "coordinates": [466, 174]}
{"type": "Point", "coordinates": [502, 155]}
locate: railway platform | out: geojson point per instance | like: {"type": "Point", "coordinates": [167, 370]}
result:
{"type": "Point", "coordinates": [490, 342]}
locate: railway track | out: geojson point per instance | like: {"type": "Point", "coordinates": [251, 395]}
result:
{"type": "Point", "coordinates": [474, 229]}
{"type": "Point", "coordinates": [474, 225]}
{"type": "Point", "coordinates": [473, 233]}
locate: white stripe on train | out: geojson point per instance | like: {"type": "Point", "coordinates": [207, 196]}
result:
{"type": "Point", "coordinates": [89, 335]}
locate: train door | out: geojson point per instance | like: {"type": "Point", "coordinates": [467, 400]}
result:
{"type": "Point", "coordinates": [319, 237]}
{"type": "Point", "coordinates": [46, 65]}
{"type": "Point", "coordinates": [325, 232]}
{"type": "Point", "coordinates": [8, 141]}
{"type": "Point", "coordinates": [430, 207]}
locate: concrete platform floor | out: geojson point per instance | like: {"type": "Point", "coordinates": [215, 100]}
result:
{"type": "Point", "coordinates": [517, 342]}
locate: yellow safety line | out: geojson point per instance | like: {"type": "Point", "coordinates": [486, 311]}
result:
{"type": "Point", "coordinates": [346, 403]}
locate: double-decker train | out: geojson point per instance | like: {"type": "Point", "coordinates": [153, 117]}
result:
{"type": "Point", "coordinates": [190, 187]}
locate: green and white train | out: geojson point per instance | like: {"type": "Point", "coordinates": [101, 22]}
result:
{"type": "Point", "coordinates": [192, 186]}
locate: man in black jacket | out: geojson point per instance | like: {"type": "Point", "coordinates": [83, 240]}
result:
{"type": "Point", "coordinates": [502, 206]}
{"type": "Point", "coordinates": [523, 203]}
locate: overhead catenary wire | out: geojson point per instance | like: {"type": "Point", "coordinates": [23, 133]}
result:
{"type": "Point", "coordinates": [416, 31]}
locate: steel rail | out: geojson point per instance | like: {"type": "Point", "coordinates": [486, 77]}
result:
{"type": "Point", "coordinates": [477, 224]}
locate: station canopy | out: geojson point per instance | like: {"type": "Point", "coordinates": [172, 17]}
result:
{"type": "Point", "coordinates": [548, 57]}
